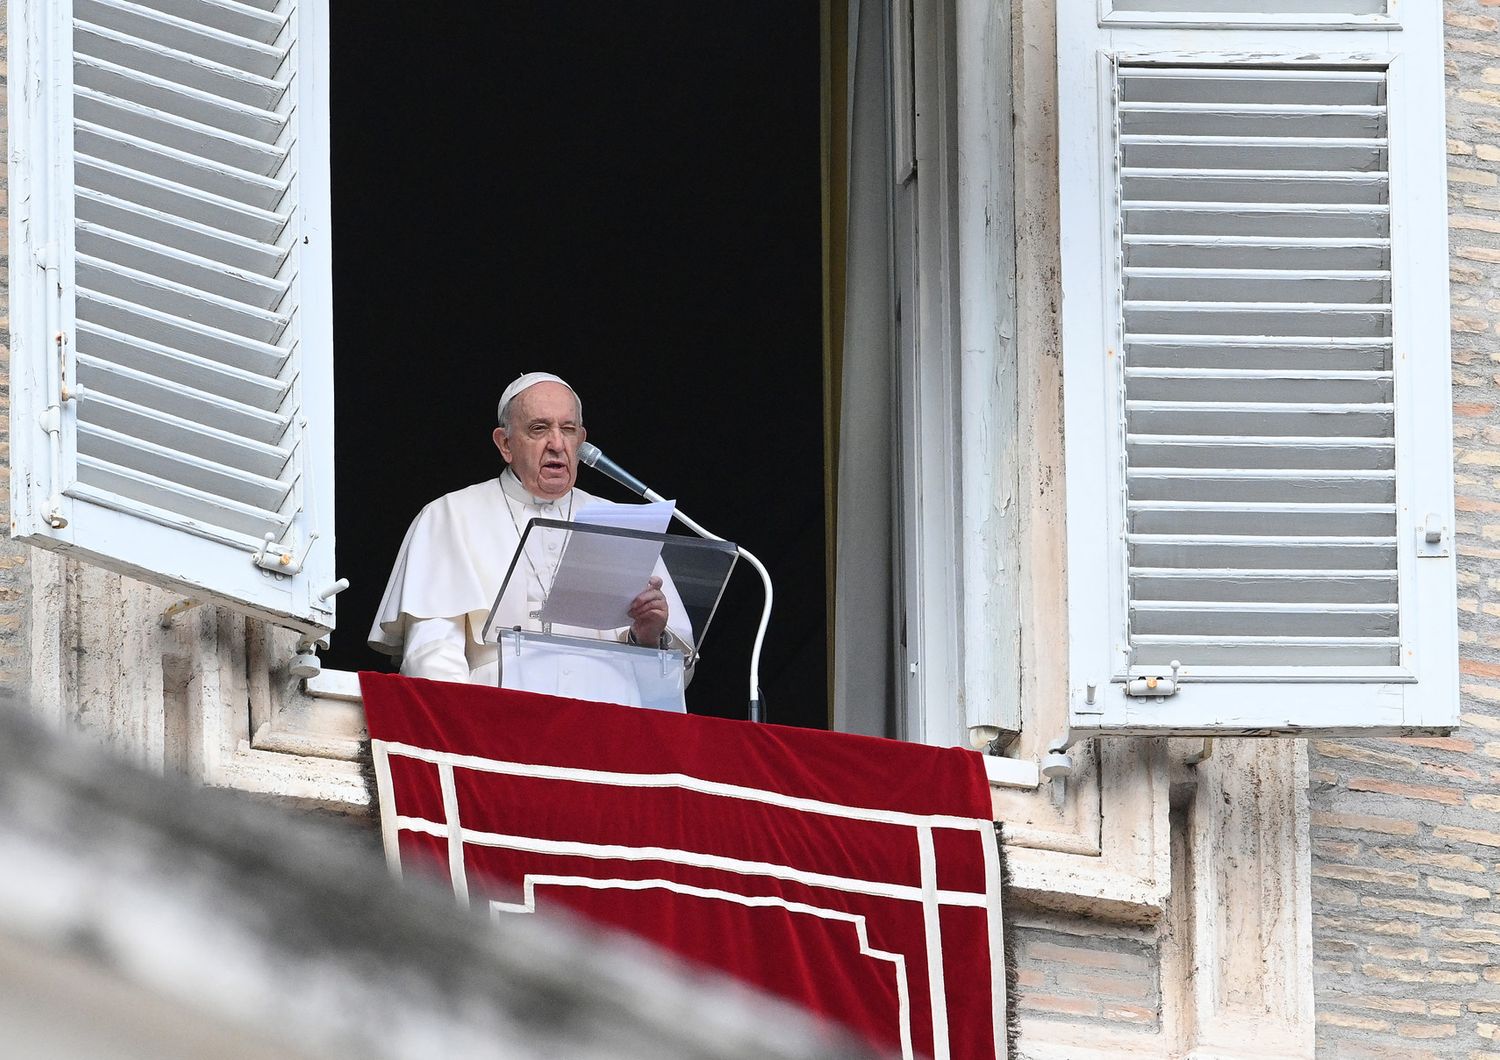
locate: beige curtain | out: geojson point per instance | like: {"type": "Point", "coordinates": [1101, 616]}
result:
{"type": "Point", "coordinates": [860, 374]}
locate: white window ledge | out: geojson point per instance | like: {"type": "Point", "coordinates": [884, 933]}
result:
{"type": "Point", "coordinates": [335, 684]}
{"type": "Point", "coordinates": [1002, 772]}
{"type": "Point", "coordinates": [1012, 772]}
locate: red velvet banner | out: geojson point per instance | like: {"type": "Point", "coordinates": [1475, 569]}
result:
{"type": "Point", "coordinates": [857, 876]}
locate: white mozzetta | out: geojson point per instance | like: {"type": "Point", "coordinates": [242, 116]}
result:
{"type": "Point", "coordinates": [173, 329]}
{"type": "Point", "coordinates": [1256, 359]}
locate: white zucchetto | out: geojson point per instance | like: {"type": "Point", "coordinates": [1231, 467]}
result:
{"type": "Point", "coordinates": [530, 379]}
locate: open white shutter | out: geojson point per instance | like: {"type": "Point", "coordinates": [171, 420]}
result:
{"type": "Point", "coordinates": [172, 363]}
{"type": "Point", "coordinates": [1255, 337]}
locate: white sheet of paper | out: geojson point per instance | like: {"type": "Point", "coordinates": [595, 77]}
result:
{"type": "Point", "coordinates": [652, 518]}
{"type": "Point", "coordinates": [599, 575]}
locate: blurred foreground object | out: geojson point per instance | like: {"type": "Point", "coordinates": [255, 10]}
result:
{"type": "Point", "coordinates": [141, 917]}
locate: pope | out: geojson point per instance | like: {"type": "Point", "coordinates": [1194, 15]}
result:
{"type": "Point", "coordinates": [458, 549]}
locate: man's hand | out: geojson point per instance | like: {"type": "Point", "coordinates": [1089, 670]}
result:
{"type": "Point", "coordinates": [648, 614]}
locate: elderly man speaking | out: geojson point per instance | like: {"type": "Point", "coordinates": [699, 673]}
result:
{"type": "Point", "coordinates": [456, 553]}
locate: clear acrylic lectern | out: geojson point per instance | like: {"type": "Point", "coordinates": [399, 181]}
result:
{"type": "Point", "coordinates": [560, 623]}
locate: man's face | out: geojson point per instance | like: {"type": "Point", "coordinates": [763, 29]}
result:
{"type": "Point", "coordinates": [541, 445]}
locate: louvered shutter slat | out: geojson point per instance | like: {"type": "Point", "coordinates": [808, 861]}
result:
{"type": "Point", "coordinates": [170, 501]}
{"type": "Point", "coordinates": [1256, 219]}
{"type": "Point", "coordinates": [1284, 419]}
{"type": "Point", "coordinates": [1272, 154]}
{"type": "Point", "coordinates": [157, 427]}
{"type": "Point", "coordinates": [212, 409]}
{"type": "Point", "coordinates": [180, 333]}
{"type": "Point", "coordinates": [266, 494]}
{"type": "Point", "coordinates": [1291, 319]}
{"type": "Point", "coordinates": [207, 142]}
{"type": "Point", "coordinates": [228, 16]}
{"type": "Point", "coordinates": [187, 270]}
{"type": "Point", "coordinates": [1330, 287]}
{"type": "Point", "coordinates": [1249, 121]}
{"type": "Point", "coordinates": [1269, 185]}
{"type": "Point", "coordinates": [1196, 554]}
{"type": "Point", "coordinates": [1226, 7]}
{"type": "Point", "coordinates": [178, 67]}
{"type": "Point", "coordinates": [1173, 351]}
{"type": "Point", "coordinates": [1227, 585]}
{"type": "Point", "coordinates": [1308, 655]}
{"type": "Point", "coordinates": [1262, 84]}
{"type": "Point", "coordinates": [1226, 517]}
{"type": "Point", "coordinates": [204, 110]}
{"type": "Point", "coordinates": [223, 249]}
{"type": "Point", "coordinates": [178, 166]}
{"type": "Point", "coordinates": [187, 370]}
{"type": "Point", "coordinates": [1220, 384]}
{"type": "Point", "coordinates": [1244, 618]}
{"type": "Point", "coordinates": [141, 287]}
{"type": "Point", "coordinates": [227, 216]}
{"type": "Point", "coordinates": [1273, 485]}
{"type": "Point", "coordinates": [1209, 450]}
{"type": "Point", "coordinates": [148, 21]}
{"type": "Point", "coordinates": [1187, 253]}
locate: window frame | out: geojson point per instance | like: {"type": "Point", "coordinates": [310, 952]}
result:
{"type": "Point", "coordinates": [957, 384]}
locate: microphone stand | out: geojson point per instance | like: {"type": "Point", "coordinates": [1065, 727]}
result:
{"type": "Point", "coordinates": [589, 454]}
{"type": "Point", "coordinates": [756, 706]}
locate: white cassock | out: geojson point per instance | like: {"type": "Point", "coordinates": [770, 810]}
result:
{"type": "Point", "coordinates": [452, 565]}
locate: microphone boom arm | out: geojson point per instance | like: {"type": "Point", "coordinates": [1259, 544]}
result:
{"type": "Point", "coordinates": [765, 614]}
{"type": "Point", "coordinates": [591, 455]}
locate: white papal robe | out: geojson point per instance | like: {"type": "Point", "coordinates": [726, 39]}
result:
{"type": "Point", "coordinates": [452, 564]}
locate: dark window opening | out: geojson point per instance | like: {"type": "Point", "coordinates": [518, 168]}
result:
{"type": "Point", "coordinates": [627, 195]}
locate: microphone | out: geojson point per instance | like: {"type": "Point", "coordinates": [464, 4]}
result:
{"type": "Point", "coordinates": [594, 457]}
{"type": "Point", "coordinates": [591, 455]}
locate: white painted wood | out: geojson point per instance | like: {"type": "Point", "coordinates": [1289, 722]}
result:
{"type": "Point", "coordinates": [39, 113]}
{"type": "Point", "coordinates": [928, 395]}
{"type": "Point", "coordinates": [1256, 396]}
{"type": "Point", "coordinates": [177, 168]}
{"type": "Point", "coordinates": [1250, 14]}
{"type": "Point", "coordinates": [989, 463]}
{"type": "Point", "coordinates": [912, 658]}
{"type": "Point", "coordinates": [1012, 772]}
{"type": "Point", "coordinates": [957, 382]}
{"type": "Point", "coordinates": [335, 684]}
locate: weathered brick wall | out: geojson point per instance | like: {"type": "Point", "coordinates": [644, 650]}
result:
{"type": "Point", "coordinates": [14, 645]}
{"type": "Point", "coordinates": [1406, 833]}
{"type": "Point", "coordinates": [1088, 977]}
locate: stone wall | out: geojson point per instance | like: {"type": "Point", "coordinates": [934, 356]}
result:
{"type": "Point", "coordinates": [1071, 976]}
{"type": "Point", "coordinates": [1406, 833]}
